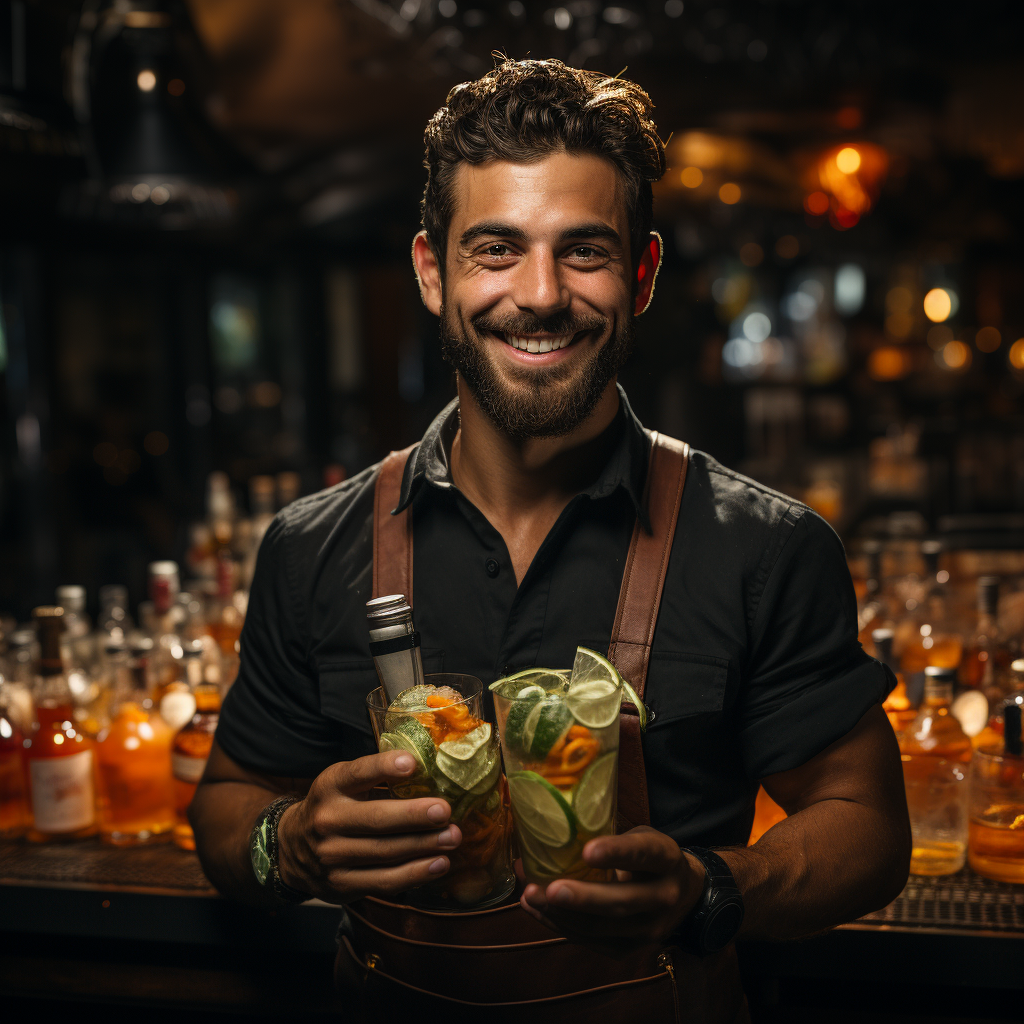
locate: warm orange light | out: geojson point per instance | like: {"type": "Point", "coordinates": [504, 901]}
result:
{"type": "Point", "coordinates": [751, 254]}
{"type": "Point", "coordinates": [954, 355]}
{"type": "Point", "coordinates": [848, 160]}
{"type": "Point", "coordinates": [729, 193]}
{"type": "Point", "coordinates": [988, 339]}
{"type": "Point", "coordinates": [888, 363]}
{"type": "Point", "coordinates": [146, 80]}
{"type": "Point", "coordinates": [938, 305]}
{"type": "Point", "coordinates": [691, 177]}
{"type": "Point", "coordinates": [1017, 354]}
{"type": "Point", "coordinates": [787, 247]}
{"type": "Point", "coordinates": [816, 203]}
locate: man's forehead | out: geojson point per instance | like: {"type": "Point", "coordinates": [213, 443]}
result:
{"type": "Point", "coordinates": [558, 188]}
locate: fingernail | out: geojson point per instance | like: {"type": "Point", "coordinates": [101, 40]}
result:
{"type": "Point", "coordinates": [439, 865]}
{"type": "Point", "coordinates": [446, 838]}
{"type": "Point", "coordinates": [438, 812]}
{"type": "Point", "coordinates": [404, 763]}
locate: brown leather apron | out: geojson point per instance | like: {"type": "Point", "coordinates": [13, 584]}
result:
{"type": "Point", "coordinates": [500, 964]}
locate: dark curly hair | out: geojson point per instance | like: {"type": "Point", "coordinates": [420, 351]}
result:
{"type": "Point", "coordinates": [523, 110]}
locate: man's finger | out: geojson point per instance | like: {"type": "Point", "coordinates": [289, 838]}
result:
{"type": "Point", "coordinates": [385, 881]}
{"type": "Point", "coordinates": [648, 852]}
{"type": "Point", "coordinates": [611, 899]}
{"type": "Point", "coordinates": [372, 817]}
{"type": "Point", "coordinates": [354, 778]}
{"type": "Point", "coordinates": [368, 851]}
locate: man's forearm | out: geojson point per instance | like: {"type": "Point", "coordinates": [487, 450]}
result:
{"type": "Point", "coordinates": [222, 816]}
{"type": "Point", "coordinates": [831, 862]}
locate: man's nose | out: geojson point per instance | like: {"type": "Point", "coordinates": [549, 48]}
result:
{"type": "Point", "coordinates": [539, 286]}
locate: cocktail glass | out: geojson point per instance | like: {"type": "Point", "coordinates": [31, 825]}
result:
{"type": "Point", "coordinates": [937, 801]}
{"type": "Point", "coordinates": [561, 754]}
{"type": "Point", "coordinates": [441, 724]}
{"type": "Point", "coordinates": [996, 844]}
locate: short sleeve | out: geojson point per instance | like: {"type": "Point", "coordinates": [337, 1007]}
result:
{"type": "Point", "coordinates": [808, 681]}
{"type": "Point", "coordinates": [271, 720]}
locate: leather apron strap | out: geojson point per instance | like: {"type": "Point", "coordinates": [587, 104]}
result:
{"type": "Point", "coordinates": [392, 535]}
{"type": "Point", "coordinates": [643, 580]}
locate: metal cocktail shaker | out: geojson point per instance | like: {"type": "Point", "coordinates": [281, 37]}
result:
{"type": "Point", "coordinates": [394, 644]}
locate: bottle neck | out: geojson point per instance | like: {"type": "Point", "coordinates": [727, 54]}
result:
{"type": "Point", "coordinates": [938, 693]}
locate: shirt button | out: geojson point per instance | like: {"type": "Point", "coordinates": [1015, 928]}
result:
{"type": "Point", "coordinates": [492, 567]}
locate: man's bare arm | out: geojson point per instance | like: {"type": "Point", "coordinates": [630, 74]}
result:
{"type": "Point", "coordinates": [844, 851]}
{"type": "Point", "coordinates": [334, 844]}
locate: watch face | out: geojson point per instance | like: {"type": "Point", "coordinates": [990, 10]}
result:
{"type": "Point", "coordinates": [258, 852]}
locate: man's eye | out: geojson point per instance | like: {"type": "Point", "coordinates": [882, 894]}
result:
{"type": "Point", "coordinates": [585, 252]}
{"type": "Point", "coordinates": [498, 249]}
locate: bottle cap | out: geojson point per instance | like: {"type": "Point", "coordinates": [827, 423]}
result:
{"type": "Point", "coordinates": [388, 611]}
{"type": "Point", "coordinates": [113, 594]}
{"type": "Point", "coordinates": [71, 597]}
{"type": "Point", "coordinates": [938, 674]}
{"type": "Point", "coordinates": [48, 611]}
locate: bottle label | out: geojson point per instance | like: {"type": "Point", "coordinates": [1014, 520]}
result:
{"type": "Point", "coordinates": [177, 708]}
{"type": "Point", "coordinates": [62, 792]}
{"type": "Point", "coordinates": [187, 769]}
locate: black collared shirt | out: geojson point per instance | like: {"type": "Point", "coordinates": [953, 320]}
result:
{"type": "Point", "coordinates": [755, 666]}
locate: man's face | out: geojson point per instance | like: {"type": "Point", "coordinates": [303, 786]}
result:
{"type": "Point", "coordinates": [536, 313]}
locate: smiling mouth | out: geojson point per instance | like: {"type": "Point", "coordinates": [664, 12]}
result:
{"type": "Point", "coordinates": [538, 345]}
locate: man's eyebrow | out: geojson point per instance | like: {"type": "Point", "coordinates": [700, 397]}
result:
{"type": "Point", "coordinates": [596, 229]}
{"type": "Point", "coordinates": [471, 234]}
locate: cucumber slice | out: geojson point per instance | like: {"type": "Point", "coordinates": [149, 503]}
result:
{"type": "Point", "coordinates": [463, 748]}
{"type": "Point", "coordinates": [541, 810]}
{"type": "Point", "coordinates": [594, 796]}
{"type": "Point", "coordinates": [518, 714]}
{"type": "Point", "coordinates": [552, 722]}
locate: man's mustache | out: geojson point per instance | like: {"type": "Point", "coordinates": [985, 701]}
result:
{"type": "Point", "coordinates": [561, 323]}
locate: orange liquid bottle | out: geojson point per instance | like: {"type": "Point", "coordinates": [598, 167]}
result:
{"type": "Point", "coordinates": [60, 762]}
{"type": "Point", "coordinates": [189, 754]}
{"type": "Point", "coordinates": [134, 754]}
{"type": "Point", "coordinates": [14, 814]}
{"type": "Point", "coordinates": [226, 618]}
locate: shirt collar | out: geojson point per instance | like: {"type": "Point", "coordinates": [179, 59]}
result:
{"type": "Point", "coordinates": [626, 466]}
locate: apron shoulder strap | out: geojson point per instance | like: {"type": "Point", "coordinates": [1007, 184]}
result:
{"type": "Point", "coordinates": [392, 535]}
{"type": "Point", "coordinates": [643, 578]}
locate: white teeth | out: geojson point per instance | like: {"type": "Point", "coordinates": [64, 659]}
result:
{"type": "Point", "coordinates": [535, 345]}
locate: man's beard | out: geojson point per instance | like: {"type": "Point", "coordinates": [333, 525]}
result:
{"type": "Point", "coordinates": [549, 401]}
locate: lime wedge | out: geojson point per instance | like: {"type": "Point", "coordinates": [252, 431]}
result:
{"type": "Point", "coordinates": [463, 748]}
{"type": "Point", "coordinates": [396, 741]}
{"type": "Point", "coordinates": [421, 743]}
{"type": "Point", "coordinates": [641, 708]}
{"type": "Point", "coordinates": [594, 796]}
{"type": "Point", "coordinates": [467, 774]}
{"type": "Point", "coordinates": [594, 703]}
{"type": "Point", "coordinates": [518, 714]}
{"type": "Point", "coordinates": [553, 720]}
{"type": "Point", "coordinates": [543, 677]}
{"type": "Point", "coordinates": [541, 810]}
{"type": "Point", "coordinates": [488, 782]}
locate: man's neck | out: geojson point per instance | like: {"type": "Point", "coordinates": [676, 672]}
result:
{"type": "Point", "coordinates": [508, 478]}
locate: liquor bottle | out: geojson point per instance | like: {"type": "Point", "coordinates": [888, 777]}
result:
{"type": "Point", "coordinates": [394, 644]}
{"type": "Point", "coordinates": [987, 658]}
{"type": "Point", "coordinates": [189, 754]}
{"type": "Point", "coordinates": [134, 755]}
{"type": "Point", "coordinates": [226, 614]}
{"type": "Point", "coordinates": [872, 609]}
{"type": "Point", "coordinates": [79, 651]}
{"type": "Point", "coordinates": [897, 705]}
{"type": "Point", "coordinates": [114, 622]}
{"type": "Point", "coordinates": [14, 814]}
{"type": "Point", "coordinates": [928, 636]}
{"type": "Point", "coordinates": [164, 587]}
{"type": "Point", "coordinates": [59, 759]}
{"type": "Point", "coordinates": [934, 732]}
{"type": "Point", "coordinates": [178, 701]}
{"type": "Point", "coordinates": [220, 509]}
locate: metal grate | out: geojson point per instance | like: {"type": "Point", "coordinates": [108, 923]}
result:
{"type": "Point", "coordinates": [963, 901]}
{"type": "Point", "coordinates": [91, 863]}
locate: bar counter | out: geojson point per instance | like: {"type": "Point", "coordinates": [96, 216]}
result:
{"type": "Point", "coordinates": [143, 927]}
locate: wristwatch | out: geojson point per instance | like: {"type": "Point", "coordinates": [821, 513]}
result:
{"type": "Point", "coordinates": [715, 920]}
{"type": "Point", "coordinates": [263, 851]}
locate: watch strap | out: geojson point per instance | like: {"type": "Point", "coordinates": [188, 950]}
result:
{"type": "Point", "coordinates": [715, 920]}
{"type": "Point", "coordinates": [268, 822]}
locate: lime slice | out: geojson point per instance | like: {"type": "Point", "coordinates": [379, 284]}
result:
{"type": "Point", "coordinates": [541, 810]}
{"type": "Point", "coordinates": [488, 782]}
{"type": "Point", "coordinates": [553, 720]}
{"type": "Point", "coordinates": [590, 665]}
{"type": "Point", "coordinates": [421, 743]}
{"type": "Point", "coordinates": [544, 677]}
{"type": "Point", "coordinates": [542, 860]}
{"type": "Point", "coordinates": [594, 703]}
{"type": "Point", "coordinates": [530, 691]}
{"type": "Point", "coordinates": [463, 748]}
{"type": "Point", "coordinates": [466, 774]}
{"type": "Point", "coordinates": [515, 723]}
{"type": "Point", "coordinates": [396, 741]}
{"type": "Point", "coordinates": [594, 797]}
{"type": "Point", "coordinates": [641, 708]}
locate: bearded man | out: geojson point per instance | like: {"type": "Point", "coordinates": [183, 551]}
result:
{"type": "Point", "coordinates": [525, 505]}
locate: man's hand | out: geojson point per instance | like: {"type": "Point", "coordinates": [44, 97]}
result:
{"type": "Point", "coordinates": [338, 846]}
{"type": "Point", "coordinates": [657, 886]}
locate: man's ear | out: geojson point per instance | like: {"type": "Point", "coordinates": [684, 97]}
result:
{"type": "Point", "coordinates": [647, 273]}
{"type": "Point", "coordinates": [428, 273]}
